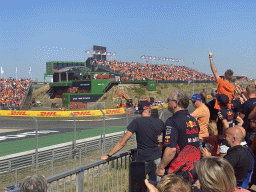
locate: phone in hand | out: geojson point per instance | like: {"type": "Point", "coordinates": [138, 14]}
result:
{"type": "Point", "coordinates": [137, 177]}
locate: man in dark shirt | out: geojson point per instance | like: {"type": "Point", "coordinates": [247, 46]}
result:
{"type": "Point", "coordinates": [236, 104]}
{"type": "Point", "coordinates": [213, 113]}
{"type": "Point", "coordinates": [236, 155]}
{"type": "Point", "coordinates": [226, 119]}
{"type": "Point", "coordinates": [210, 105]}
{"type": "Point", "coordinates": [180, 139]}
{"type": "Point", "coordinates": [147, 130]}
{"type": "Point", "coordinates": [247, 107]}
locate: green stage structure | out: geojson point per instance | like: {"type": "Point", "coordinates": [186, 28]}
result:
{"type": "Point", "coordinates": [68, 76]}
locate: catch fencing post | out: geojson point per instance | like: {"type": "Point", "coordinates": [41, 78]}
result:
{"type": "Point", "coordinates": [16, 178]}
{"type": "Point", "coordinates": [36, 142]}
{"type": "Point", "coordinates": [74, 140]}
{"type": "Point", "coordinates": [162, 113]}
{"type": "Point", "coordinates": [80, 181]}
{"type": "Point", "coordinates": [104, 132]}
{"type": "Point", "coordinates": [127, 117]}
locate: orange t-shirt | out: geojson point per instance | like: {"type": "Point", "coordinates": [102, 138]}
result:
{"type": "Point", "coordinates": [224, 87]}
{"type": "Point", "coordinates": [202, 114]}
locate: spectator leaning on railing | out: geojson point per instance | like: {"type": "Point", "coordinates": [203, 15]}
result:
{"type": "Point", "coordinates": [147, 130]}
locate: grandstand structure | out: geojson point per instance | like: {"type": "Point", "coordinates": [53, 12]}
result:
{"type": "Point", "coordinates": [13, 93]}
{"type": "Point", "coordinates": [81, 82]}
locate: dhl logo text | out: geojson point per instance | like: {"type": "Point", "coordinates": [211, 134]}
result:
{"type": "Point", "coordinates": [21, 113]}
{"type": "Point", "coordinates": [48, 114]}
{"type": "Point", "coordinates": [82, 113]}
{"type": "Point", "coordinates": [111, 112]}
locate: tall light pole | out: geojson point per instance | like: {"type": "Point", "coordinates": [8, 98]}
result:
{"type": "Point", "coordinates": [193, 79]}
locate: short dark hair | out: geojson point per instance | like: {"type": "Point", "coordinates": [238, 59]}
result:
{"type": "Point", "coordinates": [229, 74]}
{"type": "Point", "coordinates": [34, 183]}
{"type": "Point", "coordinates": [250, 89]}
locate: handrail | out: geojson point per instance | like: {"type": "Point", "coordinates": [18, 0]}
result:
{"type": "Point", "coordinates": [85, 167]}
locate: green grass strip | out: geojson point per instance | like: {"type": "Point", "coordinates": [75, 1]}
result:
{"type": "Point", "coordinates": [8, 148]}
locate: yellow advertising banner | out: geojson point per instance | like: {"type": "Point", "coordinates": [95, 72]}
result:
{"type": "Point", "coordinates": [61, 113]}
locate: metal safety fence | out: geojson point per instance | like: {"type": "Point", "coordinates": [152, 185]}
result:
{"type": "Point", "coordinates": [110, 175]}
{"type": "Point", "coordinates": [76, 141]}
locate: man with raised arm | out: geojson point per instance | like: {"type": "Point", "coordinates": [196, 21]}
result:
{"type": "Point", "coordinates": [224, 85]}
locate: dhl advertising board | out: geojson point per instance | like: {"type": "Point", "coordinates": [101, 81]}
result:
{"type": "Point", "coordinates": [61, 113]}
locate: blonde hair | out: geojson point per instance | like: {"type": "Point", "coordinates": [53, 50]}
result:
{"type": "Point", "coordinates": [213, 128]}
{"type": "Point", "coordinates": [215, 174]}
{"type": "Point", "coordinates": [174, 183]}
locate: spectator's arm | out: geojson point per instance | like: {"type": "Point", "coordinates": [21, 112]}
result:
{"type": "Point", "coordinates": [194, 115]}
{"type": "Point", "coordinates": [253, 147]}
{"type": "Point", "coordinates": [151, 188]}
{"type": "Point", "coordinates": [239, 121]}
{"type": "Point", "coordinates": [168, 156]}
{"type": "Point", "coordinates": [252, 115]}
{"type": "Point", "coordinates": [241, 115]}
{"type": "Point", "coordinates": [213, 68]}
{"type": "Point", "coordinates": [225, 125]}
{"type": "Point", "coordinates": [121, 143]}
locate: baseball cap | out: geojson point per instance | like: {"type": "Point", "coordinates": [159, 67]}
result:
{"type": "Point", "coordinates": [142, 106]}
{"type": "Point", "coordinates": [196, 97]}
{"type": "Point", "coordinates": [222, 98]}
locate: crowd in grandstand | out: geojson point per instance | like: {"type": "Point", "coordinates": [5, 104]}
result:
{"type": "Point", "coordinates": [140, 71]}
{"type": "Point", "coordinates": [12, 92]}
{"type": "Point", "coordinates": [211, 149]}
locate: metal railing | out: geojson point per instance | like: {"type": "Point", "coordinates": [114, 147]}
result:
{"type": "Point", "coordinates": [59, 157]}
{"type": "Point", "coordinates": [110, 175]}
{"type": "Point", "coordinates": [62, 151]}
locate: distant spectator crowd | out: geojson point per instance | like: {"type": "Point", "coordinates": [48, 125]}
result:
{"type": "Point", "coordinates": [141, 71]}
{"type": "Point", "coordinates": [12, 92]}
{"type": "Point", "coordinates": [211, 149]}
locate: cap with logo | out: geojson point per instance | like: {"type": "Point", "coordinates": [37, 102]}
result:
{"type": "Point", "coordinates": [196, 97]}
{"type": "Point", "coordinates": [222, 98]}
{"type": "Point", "coordinates": [142, 106]}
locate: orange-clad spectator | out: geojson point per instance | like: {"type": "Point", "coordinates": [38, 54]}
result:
{"type": "Point", "coordinates": [12, 92]}
{"type": "Point", "coordinates": [202, 115]}
{"type": "Point", "coordinates": [224, 85]}
{"type": "Point", "coordinates": [140, 71]}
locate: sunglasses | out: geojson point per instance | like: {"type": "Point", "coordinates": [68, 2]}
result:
{"type": "Point", "coordinates": [170, 100]}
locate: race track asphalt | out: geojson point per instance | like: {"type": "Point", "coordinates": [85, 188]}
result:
{"type": "Point", "coordinates": [20, 135]}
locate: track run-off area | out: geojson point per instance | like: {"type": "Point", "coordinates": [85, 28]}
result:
{"type": "Point", "coordinates": [18, 134]}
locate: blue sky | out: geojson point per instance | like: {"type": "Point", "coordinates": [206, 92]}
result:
{"type": "Point", "coordinates": [33, 32]}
